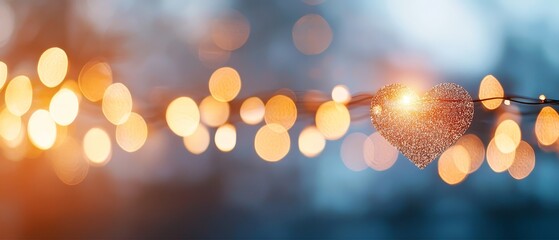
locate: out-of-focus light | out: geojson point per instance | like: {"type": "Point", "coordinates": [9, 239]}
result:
{"type": "Point", "coordinates": [272, 142]}
{"type": "Point", "coordinates": [19, 95]}
{"type": "Point", "coordinates": [73, 86]}
{"type": "Point", "coordinates": [52, 67]}
{"type": "Point", "coordinates": [214, 113]}
{"type": "Point", "coordinates": [352, 152]}
{"type": "Point", "coordinates": [312, 34]}
{"type": "Point", "coordinates": [490, 87]}
{"type": "Point", "coordinates": [41, 129]}
{"type": "Point", "coordinates": [132, 134]}
{"type": "Point", "coordinates": [117, 103]}
{"type": "Point", "coordinates": [448, 170]}
{"type": "Point", "coordinates": [3, 74]}
{"type": "Point", "coordinates": [542, 97]}
{"type": "Point", "coordinates": [226, 137]}
{"type": "Point", "coordinates": [475, 148]}
{"type": "Point", "coordinates": [507, 136]}
{"type": "Point", "coordinates": [230, 31]}
{"type": "Point", "coordinates": [198, 142]}
{"type": "Point", "coordinates": [252, 111]}
{"type": "Point", "coordinates": [497, 160]}
{"type": "Point", "coordinates": [311, 142]}
{"type": "Point", "coordinates": [10, 125]}
{"type": "Point", "coordinates": [225, 84]}
{"type": "Point", "coordinates": [64, 107]}
{"type": "Point", "coordinates": [281, 110]}
{"type": "Point", "coordinates": [94, 78]}
{"type": "Point", "coordinates": [332, 119]}
{"type": "Point", "coordinates": [547, 126]}
{"type": "Point", "coordinates": [340, 94]}
{"type": "Point", "coordinates": [68, 162]}
{"type": "Point", "coordinates": [524, 161]}
{"type": "Point", "coordinates": [7, 20]}
{"type": "Point", "coordinates": [183, 116]}
{"type": "Point", "coordinates": [379, 154]}
{"type": "Point", "coordinates": [97, 146]}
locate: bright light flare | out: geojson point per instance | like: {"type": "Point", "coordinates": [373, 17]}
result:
{"type": "Point", "coordinates": [225, 84]}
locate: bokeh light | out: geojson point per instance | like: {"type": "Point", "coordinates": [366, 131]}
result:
{"type": "Point", "coordinates": [281, 110]}
{"type": "Point", "coordinates": [3, 74]}
{"type": "Point", "coordinates": [7, 22]}
{"type": "Point", "coordinates": [132, 134]}
{"type": "Point", "coordinates": [94, 78]}
{"type": "Point", "coordinates": [340, 94]}
{"type": "Point", "coordinates": [97, 146]}
{"type": "Point", "coordinates": [332, 119]}
{"type": "Point", "coordinates": [64, 107]}
{"type": "Point", "coordinates": [272, 142]}
{"type": "Point", "coordinates": [252, 111]}
{"type": "Point", "coordinates": [226, 137]}
{"type": "Point", "coordinates": [183, 116]}
{"type": "Point", "coordinates": [68, 162]}
{"type": "Point", "coordinates": [352, 153]}
{"type": "Point", "coordinates": [225, 84]}
{"type": "Point", "coordinates": [490, 87]}
{"type": "Point", "coordinates": [213, 112]}
{"type": "Point", "coordinates": [52, 67]}
{"type": "Point", "coordinates": [524, 161]}
{"type": "Point", "coordinates": [312, 34]}
{"type": "Point", "coordinates": [507, 136]}
{"type": "Point", "coordinates": [311, 142]}
{"type": "Point", "coordinates": [230, 30]}
{"type": "Point", "coordinates": [497, 160]}
{"type": "Point", "coordinates": [197, 142]}
{"type": "Point", "coordinates": [41, 129]}
{"type": "Point", "coordinates": [475, 148]}
{"type": "Point", "coordinates": [117, 103]}
{"type": "Point", "coordinates": [10, 125]}
{"type": "Point", "coordinates": [448, 170]}
{"type": "Point", "coordinates": [379, 154]}
{"type": "Point", "coordinates": [547, 126]}
{"type": "Point", "coordinates": [19, 95]}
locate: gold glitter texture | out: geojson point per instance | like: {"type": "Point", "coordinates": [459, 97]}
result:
{"type": "Point", "coordinates": [421, 128]}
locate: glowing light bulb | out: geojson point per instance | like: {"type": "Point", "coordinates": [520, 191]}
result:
{"type": "Point", "coordinates": [542, 97]}
{"type": "Point", "coordinates": [406, 100]}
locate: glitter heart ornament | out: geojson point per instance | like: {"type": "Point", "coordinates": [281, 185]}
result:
{"type": "Point", "coordinates": [422, 128]}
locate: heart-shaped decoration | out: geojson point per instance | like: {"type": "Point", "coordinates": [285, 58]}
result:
{"type": "Point", "coordinates": [422, 127]}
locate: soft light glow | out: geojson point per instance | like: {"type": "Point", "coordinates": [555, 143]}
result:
{"type": "Point", "coordinates": [252, 111]}
{"type": "Point", "coordinates": [547, 126]}
{"type": "Point", "coordinates": [198, 142]}
{"type": "Point", "coordinates": [226, 137]}
{"type": "Point", "coordinates": [117, 103]}
{"type": "Point", "coordinates": [476, 151]}
{"type": "Point", "coordinates": [97, 146]}
{"type": "Point", "coordinates": [213, 113]}
{"type": "Point", "coordinates": [507, 102]}
{"type": "Point", "coordinates": [64, 107]}
{"type": "Point", "coordinates": [272, 142]}
{"type": "Point", "coordinates": [379, 154]}
{"type": "Point", "coordinates": [183, 116]}
{"type": "Point", "coordinates": [52, 67]}
{"type": "Point", "coordinates": [19, 95]}
{"type": "Point", "coordinates": [68, 162]}
{"type": "Point", "coordinates": [490, 87]}
{"type": "Point", "coordinates": [225, 84]}
{"type": "Point", "coordinates": [3, 74]}
{"type": "Point", "coordinates": [311, 142]}
{"type": "Point", "coordinates": [448, 170]}
{"type": "Point", "coordinates": [542, 97]}
{"type": "Point", "coordinates": [312, 34]}
{"type": "Point", "coordinates": [10, 125]}
{"type": "Point", "coordinates": [132, 134]}
{"type": "Point", "coordinates": [352, 152]}
{"type": "Point", "coordinates": [332, 119]}
{"type": "Point", "coordinates": [230, 31]}
{"type": "Point", "coordinates": [73, 86]}
{"type": "Point", "coordinates": [507, 136]}
{"type": "Point", "coordinates": [497, 160]}
{"type": "Point", "coordinates": [281, 110]}
{"type": "Point", "coordinates": [94, 78]}
{"type": "Point", "coordinates": [524, 161]}
{"type": "Point", "coordinates": [340, 94]}
{"type": "Point", "coordinates": [41, 129]}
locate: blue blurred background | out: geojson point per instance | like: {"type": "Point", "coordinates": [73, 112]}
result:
{"type": "Point", "coordinates": [162, 191]}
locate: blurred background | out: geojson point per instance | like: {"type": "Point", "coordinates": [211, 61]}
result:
{"type": "Point", "coordinates": [162, 50]}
